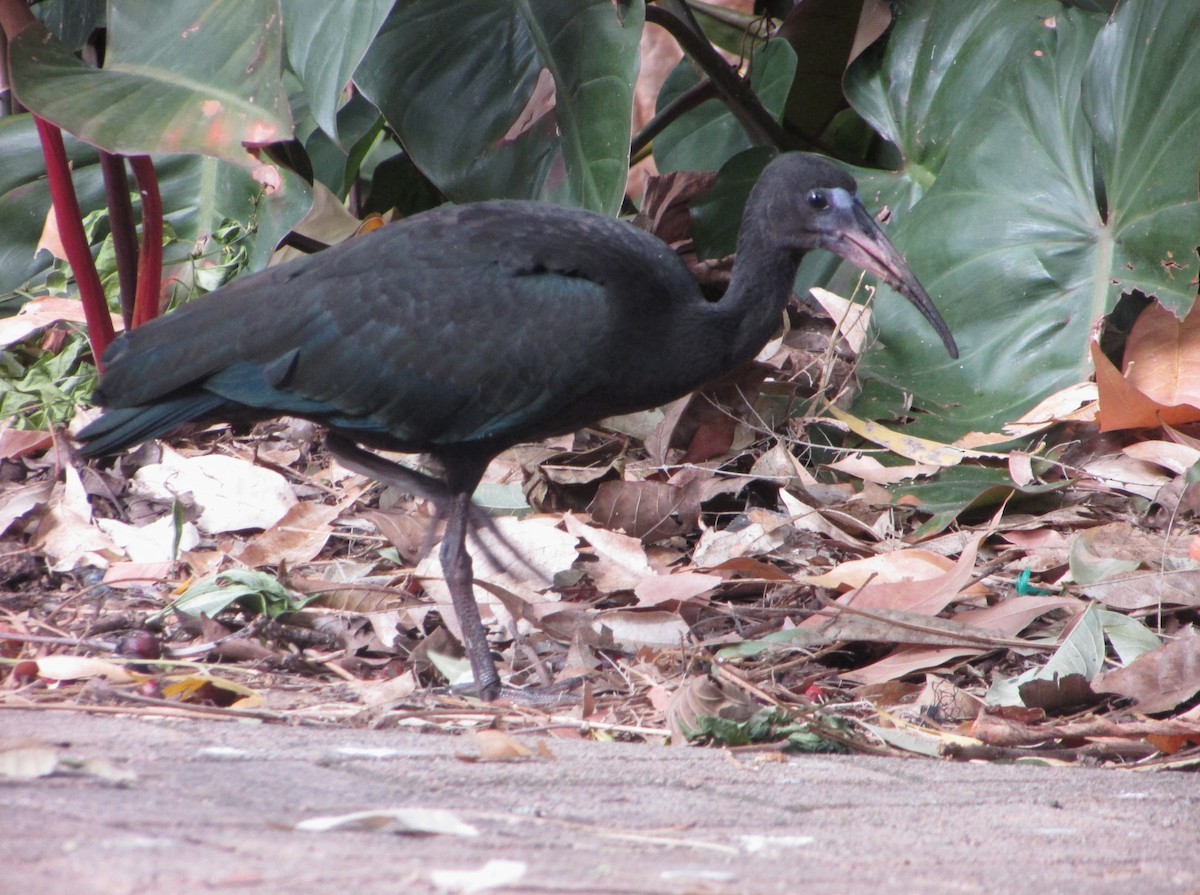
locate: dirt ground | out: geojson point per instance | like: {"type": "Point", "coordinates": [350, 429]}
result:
{"type": "Point", "coordinates": [214, 807]}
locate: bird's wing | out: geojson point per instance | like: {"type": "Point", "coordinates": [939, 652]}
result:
{"type": "Point", "coordinates": [498, 321]}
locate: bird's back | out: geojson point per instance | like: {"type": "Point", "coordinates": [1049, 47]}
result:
{"type": "Point", "coordinates": [489, 322]}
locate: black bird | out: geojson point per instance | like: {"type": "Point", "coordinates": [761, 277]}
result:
{"type": "Point", "coordinates": [465, 330]}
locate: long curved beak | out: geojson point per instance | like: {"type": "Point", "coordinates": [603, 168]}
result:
{"type": "Point", "coordinates": [861, 241]}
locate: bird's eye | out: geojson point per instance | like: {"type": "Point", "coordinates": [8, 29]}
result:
{"type": "Point", "coordinates": [817, 200]}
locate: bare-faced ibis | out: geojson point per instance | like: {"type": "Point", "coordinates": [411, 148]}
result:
{"type": "Point", "coordinates": [464, 330]}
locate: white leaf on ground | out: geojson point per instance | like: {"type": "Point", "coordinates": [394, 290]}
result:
{"type": "Point", "coordinates": [394, 820]}
{"type": "Point", "coordinates": [154, 542]}
{"type": "Point", "coordinates": [231, 494]}
{"type": "Point", "coordinates": [492, 875]}
{"type": "Point", "coordinates": [77, 668]}
{"type": "Point", "coordinates": [27, 759]}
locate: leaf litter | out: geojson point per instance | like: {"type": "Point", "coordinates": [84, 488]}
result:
{"type": "Point", "coordinates": [752, 567]}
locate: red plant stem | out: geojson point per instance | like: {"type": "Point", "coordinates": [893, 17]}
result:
{"type": "Point", "coordinates": [146, 308]}
{"type": "Point", "coordinates": [70, 230]}
{"type": "Point", "coordinates": [123, 228]}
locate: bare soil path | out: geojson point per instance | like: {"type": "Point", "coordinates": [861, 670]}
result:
{"type": "Point", "coordinates": [214, 808]}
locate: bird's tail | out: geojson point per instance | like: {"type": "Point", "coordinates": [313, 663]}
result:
{"type": "Point", "coordinates": [127, 426]}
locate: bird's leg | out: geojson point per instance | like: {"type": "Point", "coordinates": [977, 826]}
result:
{"type": "Point", "coordinates": [381, 469]}
{"type": "Point", "coordinates": [456, 567]}
{"type": "Point", "coordinates": [424, 486]}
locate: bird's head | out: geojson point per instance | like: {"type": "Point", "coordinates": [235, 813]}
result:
{"type": "Point", "coordinates": [813, 204]}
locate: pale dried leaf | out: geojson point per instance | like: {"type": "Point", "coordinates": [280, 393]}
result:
{"type": "Point", "coordinates": [429, 821]}
{"type": "Point", "coordinates": [295, 539]}
{"type": "Point", "coordinates": [156, 542]}
{"type": "Point", "coordinates": [871, 470]}
{"type": "Point", "coordinates": [702, 697]}
{"type": "Point", "coordinates": [66, 534]}
{"type": "Point", "coordinates": [1075, 403]}
{"type": "Point", "coordinates": [632, 629]}
{"type": "Point", "coordinates": [1122, 473]}
{"type": "Point", "coordinates": [27, 759]}
{"type": "Point", "coordinates": [717, 547]}
{"type": "Point", "coordinates": [494, 874]}
{"type": "Point", "coordinates": [1178, 458]}
{"type": "Point", "coordinates": [39, 313]}
{"type": "Point", "coordinates": [77, 668]}
{"type": "Point", "coordinates": [853, 320]}
{"type": "Point", "coordinates": [231, 494]}
{"type": "Point", "coordinates": [16, 502]}
{"type": "Point", "coordinates": [496, 745]}
{"type": "Point", "coordinates": [678, 588]}
{"type": "Point", "coordinates": [1147, 590]}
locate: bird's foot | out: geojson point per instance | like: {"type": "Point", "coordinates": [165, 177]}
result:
{"type": "Point", "coordinates": [550, 696]}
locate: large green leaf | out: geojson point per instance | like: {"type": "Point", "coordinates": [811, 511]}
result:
{"type": "Point", "coordinates": [325, 43]}
{"type": "Point", "coordinates": [526, 99]}
{"type": "Point", "coordinates": [1015, 240]}
{"type": "Point", "coordinates": [198, 194]}
{"type": "Point", "coordinates": [708, 136]}
{"type": "Point", "coordinates": [188, 76]}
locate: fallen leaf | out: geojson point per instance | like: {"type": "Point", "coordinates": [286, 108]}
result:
{"type": "Point", "coordinates": [496, 745]}
{"type": "Point", "coordinates": [681, 587]}
{"type": "Point", "coordinates": [78, 668]}
{"type": "Point", "coordinates": [295, 539]}
{"type": "Point", "coordinates": [429, 821]}
{"type": "Point", "coordinates": [27, 759]}
{"type": "Point", "coordinates": [1158, 680]}
{"type": "Point", "coordinates": [492, 875]}
{"type": "Point", "coordinates": [231, 494]}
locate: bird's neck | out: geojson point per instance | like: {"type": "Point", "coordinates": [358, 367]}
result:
{"type": "Point", "coordinates": [763, 275]}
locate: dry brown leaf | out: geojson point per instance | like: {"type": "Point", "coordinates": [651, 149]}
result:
{"type": "Point", "coordinates": [40, 313]}
{"type": "Point", "coordinates": [680, 587]}
{"type": "Point", "coordinates": [1160, 381]}
{"type": "Point", "coordinates": [1003, 729]}
{"type": "Point", "coordinates": [1162, 356]}
{"type": "Point", "coordinates": [1075, 403]}
{"type": "Point", "coordinates": [1007, 618]}
{"type": "Point", "coordinates": [406, 532]}
{"type": "Point", "coordinates": [66, 534]}
{"type": "Point", "coordinates": [702, 697]}
{"type": "Point", "coordinates": [16, 443]}
{"type": "Point", "coordinates": [1146, 590]}
{"type": "Point", "coordinates": [719, 547]}
{"type": "Point", "coordinates": [871, 470]}
{"type": "Point", "coordinates": [632, 629]}
{"type": "Point", "coordinates": [646, 510]}
{"type": "Point", "coordinates": [1158, 680]}
{"type": "Point", "coordinates": [896, 626]}
{"type": "Point", "coordinates": [910, 564]}
{"type": "Point", "coordinates": [129, 574]}
{"type": "Point", "coordinates": [853, 320]}
{"type": "Point", "coordinates": [905, 660]}
{"type": "Point", "coordinates": [941, 701]}
{"type": "Point", "coordinates": [1124, 473]}
{"type": "Point", "coordinates": [79, 668]}
{"type": "Point", "coordinates": [296, 538]}
{"type": "Point", "coordinates": [496, 745]}
{"type": "Point", "coordinates": [1178, 458]}
{"type": "Point", "coordinates": [16, 502]}
{"type": "Point", "coordinates": [621, 559]}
